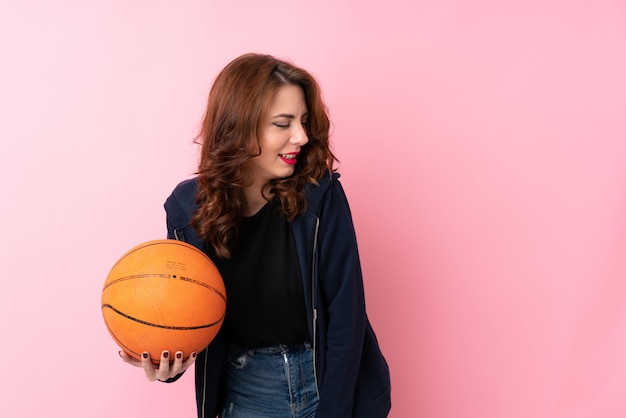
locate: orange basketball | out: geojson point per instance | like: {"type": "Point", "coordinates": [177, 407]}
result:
{"type": "Point", "coordinates": [163, 295]}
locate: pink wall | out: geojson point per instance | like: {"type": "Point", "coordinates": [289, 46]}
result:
{"type": "Point", "coordinates": [483, 148]}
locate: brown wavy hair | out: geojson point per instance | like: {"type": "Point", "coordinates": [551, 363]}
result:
{"type": "Point", "coordinates": [239, 99]}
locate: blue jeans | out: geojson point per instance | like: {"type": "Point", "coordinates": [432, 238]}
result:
{"type": "Point", "coordinates": [276, 381]}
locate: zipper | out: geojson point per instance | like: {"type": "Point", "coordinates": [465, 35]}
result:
{"type": "Point", "coordinates": [313, 271]}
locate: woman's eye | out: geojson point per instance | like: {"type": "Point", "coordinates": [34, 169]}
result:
{"type": "Point", "coordinates": [281, 125]}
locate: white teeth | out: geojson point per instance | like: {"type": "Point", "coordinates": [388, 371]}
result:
{"type": "Point", "coordinates": [288, 156]}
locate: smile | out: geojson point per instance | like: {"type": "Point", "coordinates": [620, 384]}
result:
{"type": "Point", "coordinates": [290, 158]}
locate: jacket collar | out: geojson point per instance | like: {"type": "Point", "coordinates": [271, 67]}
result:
{"type": "Point", "coordinates": [315, 192]}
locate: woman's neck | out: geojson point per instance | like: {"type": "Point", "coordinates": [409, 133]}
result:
{"type": "Point", "coordinates": [253, 200]}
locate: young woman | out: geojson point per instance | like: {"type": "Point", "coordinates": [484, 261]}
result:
{"type": "Point", "coordinates": [268, 208]}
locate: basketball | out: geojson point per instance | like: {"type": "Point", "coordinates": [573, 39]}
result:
{"type": "Point", "coordinates": [163, 295]}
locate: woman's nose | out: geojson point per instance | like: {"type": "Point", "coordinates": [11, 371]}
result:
{"type": "Point", "coordinates": [300, 137]}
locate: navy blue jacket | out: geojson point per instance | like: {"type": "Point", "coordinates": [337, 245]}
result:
{"type": "Point", "coordinates": [351, 372]}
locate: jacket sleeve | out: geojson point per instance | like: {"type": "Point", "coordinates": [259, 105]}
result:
{"type": "Point", "coordinates": [169, 204]}
{"type": "Point", "coordinates": [209, 365]}
{"type": "Point", "coordinates": [175, 217]}
{"type": "Point", "coordinates": [341, 284]}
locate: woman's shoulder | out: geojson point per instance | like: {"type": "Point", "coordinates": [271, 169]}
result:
{"type": "Point", "coordinates": [186, 187]}
{"type": "Point", "coordinates": [315, 192]}
{"type": "Point", "coordinates": [183, 197]}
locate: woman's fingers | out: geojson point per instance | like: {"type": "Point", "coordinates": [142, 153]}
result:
{"type": "Point", "coordinates": [163, 372]}
{"type": "Point", "coordinates": [167, 368]}
{"type": "Point", "coordinates": [177, 365]}
{"type": "Point", "coordinates": [190, 360]}
{"type": "Point", "coordinates": [128, 359]}
{"type": "Point", "coordinates": [148, 368]}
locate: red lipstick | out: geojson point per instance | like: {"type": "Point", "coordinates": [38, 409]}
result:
{"type": "Point", "coordinates": [289, 158]}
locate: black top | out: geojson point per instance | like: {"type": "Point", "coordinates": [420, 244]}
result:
{"type": "Point", "coordinates": [263, 284]}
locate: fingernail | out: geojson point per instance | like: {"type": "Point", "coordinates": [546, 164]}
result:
{"type": "Point", "coordinates": [166, 354]}
{"type": "Point", "coordinates": [179, 355]}
{"type": "Point", "coordinates": [145, 355]}
{"type": "Point", "coordinates": [119, 353]}
{"type": "Point", "coordinates": [194, 354]}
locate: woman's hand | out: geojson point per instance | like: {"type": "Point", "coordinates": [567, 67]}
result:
{"type": "Point", "coordinates": [165, 370]}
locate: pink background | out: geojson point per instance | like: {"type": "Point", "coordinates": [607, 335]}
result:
{"type": "Point", "coordinates": [482, 147]}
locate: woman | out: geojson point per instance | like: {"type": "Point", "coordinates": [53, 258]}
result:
{"type": "Point", "coordinates": [268, 208]}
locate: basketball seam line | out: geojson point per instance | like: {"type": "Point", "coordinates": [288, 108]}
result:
{"type": "Point", "coordinates": [165, 276]}
{"type": "Point", "coordinates": [150, 324]}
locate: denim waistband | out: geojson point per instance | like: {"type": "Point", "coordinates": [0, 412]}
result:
{"type": "Point", "coordinates": [291, 371]}
{"type": "Point", "coordinates": [273, 349]}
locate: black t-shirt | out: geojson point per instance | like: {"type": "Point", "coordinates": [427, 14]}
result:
{"type": "Point", "coordinates": [263, 283]}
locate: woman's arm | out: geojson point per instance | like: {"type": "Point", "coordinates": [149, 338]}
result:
{"type": "Point", "coordinates": [341, 284]}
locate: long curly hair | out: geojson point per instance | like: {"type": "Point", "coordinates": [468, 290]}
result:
{"type": "Point", "coordinates": [239, 99]}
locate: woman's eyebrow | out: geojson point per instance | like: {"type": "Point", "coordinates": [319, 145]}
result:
{"type": "Point", "coordinates": [289, 115]}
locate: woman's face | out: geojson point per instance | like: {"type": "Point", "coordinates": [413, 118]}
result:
{"type": "Point", "coordinates": [282, 135]}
